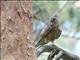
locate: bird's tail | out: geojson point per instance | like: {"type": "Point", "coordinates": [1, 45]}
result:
{"type": "Point", "coordinates": [38, 43]}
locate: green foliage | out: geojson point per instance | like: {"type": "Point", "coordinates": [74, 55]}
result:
{"type": "Point", "coordinates": [45, 9]}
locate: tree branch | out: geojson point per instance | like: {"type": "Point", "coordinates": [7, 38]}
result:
{"type": "Point", "coordinates": [51, 47]}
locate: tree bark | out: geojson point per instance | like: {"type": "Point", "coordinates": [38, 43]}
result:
{"type": "Point", "coordinates": [17, 37]}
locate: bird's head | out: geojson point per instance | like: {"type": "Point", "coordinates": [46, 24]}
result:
{"type": "Point", "coordinates": [54, 21]}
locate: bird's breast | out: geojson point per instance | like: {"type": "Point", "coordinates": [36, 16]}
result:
{"type": "Point", "coordinates": [52, 35]}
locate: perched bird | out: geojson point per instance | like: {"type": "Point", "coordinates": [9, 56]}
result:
{"type": "Point", "coordinates": [50, 32]}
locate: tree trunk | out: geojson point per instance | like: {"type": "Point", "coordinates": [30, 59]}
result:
{"type": "Point", "coordinates": [17, 37]}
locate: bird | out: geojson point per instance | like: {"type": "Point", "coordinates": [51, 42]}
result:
{"type": "Point", "coordinates": [50, 32]}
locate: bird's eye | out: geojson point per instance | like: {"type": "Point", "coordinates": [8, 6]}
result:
{"type": "Point", "coordinates": [53, 20]}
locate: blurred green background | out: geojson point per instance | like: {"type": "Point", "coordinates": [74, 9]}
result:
{"type": "Point", "coordinates": [69, 20]}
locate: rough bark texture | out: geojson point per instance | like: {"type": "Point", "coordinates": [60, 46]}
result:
{"type": "Point", "coordinates": [17, 37]}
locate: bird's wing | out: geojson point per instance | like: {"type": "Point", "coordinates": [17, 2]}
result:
{"type": "Point", "coordinates": [44, 33]}
{"type": "Point", "coordinates": [46, 30]}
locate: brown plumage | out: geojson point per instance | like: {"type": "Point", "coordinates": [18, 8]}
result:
{"type": "Point", "coordinates": [50, 32]}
